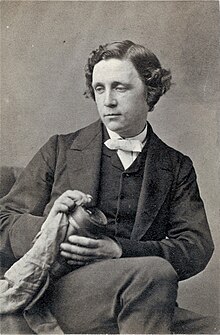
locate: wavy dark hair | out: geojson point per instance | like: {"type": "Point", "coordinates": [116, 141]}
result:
{"type": "Point", "coordinates": [157, 79]}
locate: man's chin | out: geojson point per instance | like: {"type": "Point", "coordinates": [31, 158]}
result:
{"type": "Point", "coordinates": [113, 127]}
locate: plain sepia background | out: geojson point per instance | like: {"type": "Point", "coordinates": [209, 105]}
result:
{"type": "Point", "coordinates": [45, 45]}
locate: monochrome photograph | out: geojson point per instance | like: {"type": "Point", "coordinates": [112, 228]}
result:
{"type": "Point", "coordinates": [110, 167]}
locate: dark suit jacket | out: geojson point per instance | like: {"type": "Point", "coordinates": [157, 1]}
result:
{"type": "Point", "coordinates": [170, 220]}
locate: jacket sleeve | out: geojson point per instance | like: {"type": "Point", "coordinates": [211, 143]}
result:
{"type": "Point", "coordinates": [188, 245]}
{"type": "Point", "coordinates": [21, 211]}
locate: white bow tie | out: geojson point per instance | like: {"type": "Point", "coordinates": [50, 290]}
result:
{"type": "Point", "coordinates": [125, 145]}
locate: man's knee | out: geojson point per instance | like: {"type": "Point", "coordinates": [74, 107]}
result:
{"type": "Point", "coordinates": [149, 276]}
{"type": "Point", "coordinates": [150, 288]}
{"type": "Point", "coordinates": [156, 278]}
{"type": "Point", "coordinates": [162, 270]}
{"type": "Point", "coordinates": [155, 269]}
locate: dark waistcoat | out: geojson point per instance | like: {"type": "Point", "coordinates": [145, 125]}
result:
{"type": "Point", "coordinates": [119, 190]}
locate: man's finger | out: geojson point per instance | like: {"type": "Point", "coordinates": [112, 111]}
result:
{"type": "Point", "coordinates": [78, 250]}
{"type": "Point", "coordinates": [76, 257]}
{"type": "Point", "coordinates": [76, 263]}
{"type": "Point", "coordinates": [78, 196]}
{"type": "Point", "coordinates": [84, 241]}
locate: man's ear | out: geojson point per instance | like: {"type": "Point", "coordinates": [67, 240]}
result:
{"type": "Point", "coordinates": [146, 90]}
{"type": "Point", "coordinates": [150, 109]}
{"type": "Point", "coordinates": [146, 95]}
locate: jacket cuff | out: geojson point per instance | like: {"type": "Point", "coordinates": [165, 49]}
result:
{"type": "Point", "coordinates": [137, 248]}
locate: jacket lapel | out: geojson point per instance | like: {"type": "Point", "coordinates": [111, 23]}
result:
{"type": "Point", "coordinates": [83, 160]}
{"type": "Point", "coordinates": [157, 181]}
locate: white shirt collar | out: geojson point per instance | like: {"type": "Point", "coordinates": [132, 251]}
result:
{"type": "Point", "coordinates": [141, 137]}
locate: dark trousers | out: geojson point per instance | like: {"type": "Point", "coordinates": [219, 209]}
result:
{"type": "Point", "coordinates": [127, 296]}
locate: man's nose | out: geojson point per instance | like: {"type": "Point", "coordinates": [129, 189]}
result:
{"type": "Point", "coordinates": [110, 99]}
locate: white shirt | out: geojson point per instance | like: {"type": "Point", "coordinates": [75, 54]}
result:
{"type": "Point", "coordinates": [128, 157]}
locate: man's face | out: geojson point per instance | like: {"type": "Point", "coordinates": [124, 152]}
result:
{"type": "Point", "coordinates": [120, 96]}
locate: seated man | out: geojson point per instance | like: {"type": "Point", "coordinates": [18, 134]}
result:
{"type": "Point", "coordinates": [126, 281]}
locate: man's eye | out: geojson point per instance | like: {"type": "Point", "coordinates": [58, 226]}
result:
{"type": "Point", "coordinates": [121, 88]}
{"type": "Point", "coordinates": [99, 89]}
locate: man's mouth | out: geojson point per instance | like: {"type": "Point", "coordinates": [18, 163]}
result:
{"type": "Point", "coordinates": [112, 114]}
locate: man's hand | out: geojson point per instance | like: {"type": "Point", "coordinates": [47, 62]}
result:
{"type": "Point", "coordinates": [80, 250]}
{"type": "Point", "coordinates": [68, 200]}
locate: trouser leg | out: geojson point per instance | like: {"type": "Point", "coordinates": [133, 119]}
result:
{"type": "Point", "coordinates": [127, 295]}
{"type": "Point", "coordinates": [188, 322]}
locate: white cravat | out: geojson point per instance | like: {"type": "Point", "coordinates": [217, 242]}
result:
{"type": "Point", "coordinates": [132, 146]}
{"type": "Point", "coordinates": [124, 144]}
